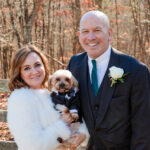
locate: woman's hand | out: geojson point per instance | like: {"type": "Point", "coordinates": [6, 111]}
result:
{"type": "Point", "coordinates": [76, 139]}
{"type": "Point", "coordinates": [74, 126]}
{"type": "Point", "coordinates": [67, 118]}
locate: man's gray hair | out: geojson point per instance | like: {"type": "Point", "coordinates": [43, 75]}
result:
{"type": "Point", "coordinates": [99, 14]}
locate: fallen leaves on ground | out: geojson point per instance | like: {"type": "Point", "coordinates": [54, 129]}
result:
{"type": "Point", "coordinates": [4, 100]}
{"type": "Point", "coordinates": [5, 134]}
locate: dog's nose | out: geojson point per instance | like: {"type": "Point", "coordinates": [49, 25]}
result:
{"type": "Point", "coordinates": [62, 85]}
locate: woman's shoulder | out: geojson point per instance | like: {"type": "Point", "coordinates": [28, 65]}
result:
{"type": "Point", "coordinates": [19, 99]}
{"type": "Point", "coordinates": [27, 94]}
{"type": "Point", "coordinates": [21, 95]}
{"type": "Point", "coordinates": [22, 92]}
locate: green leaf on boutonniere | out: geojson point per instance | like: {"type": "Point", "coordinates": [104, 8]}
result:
{"type": "Point", "coordinates": [125, 74]}
{"type": "Point", "coordinates": [121, 80]}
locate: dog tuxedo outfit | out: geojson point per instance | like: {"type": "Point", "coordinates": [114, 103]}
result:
{"type": "Point", "coordinates": [70, 99]}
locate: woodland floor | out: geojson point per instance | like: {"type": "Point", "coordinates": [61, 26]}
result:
{"type": "Point", "coordinates": [4, 131]}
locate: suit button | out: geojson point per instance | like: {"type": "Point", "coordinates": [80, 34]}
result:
{"type": "Point", "coordinates": [96, 107]}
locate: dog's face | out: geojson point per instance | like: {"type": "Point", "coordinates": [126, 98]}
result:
{"type": "Point", "coordinates": [62, 81]}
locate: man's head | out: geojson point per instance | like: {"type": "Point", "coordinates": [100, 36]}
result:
{"type": "Point", "coordinates": [95, 33]}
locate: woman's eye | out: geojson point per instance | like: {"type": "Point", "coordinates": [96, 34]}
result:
{"type": "Point", "coordinates": [37, 65]}
{"type": "Point", "coordinates": [26, 68]}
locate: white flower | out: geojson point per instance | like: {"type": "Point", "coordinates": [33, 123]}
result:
{"type": "Point", "coordinates": [116, 72]}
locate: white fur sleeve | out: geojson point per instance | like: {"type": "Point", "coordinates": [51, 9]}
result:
{"type": "Point", "coordinates": [83, 129]}
{"type": "Point", "coordinates": [25, 126]}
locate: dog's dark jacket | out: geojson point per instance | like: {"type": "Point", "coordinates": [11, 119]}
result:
{"type": "Point", "coordinates": [70, 99]}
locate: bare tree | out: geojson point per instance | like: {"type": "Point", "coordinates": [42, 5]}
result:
{"type": "Point", "coordinates": [99, 3]}
{"type": "Point", "coordinates": [52, 25]}
{"type": "Point", "coordinates": [76, 15]}
{"type": "Point", "coordinates": [117, 27]}
{"type": "Point", "coordinates": [140, 28]}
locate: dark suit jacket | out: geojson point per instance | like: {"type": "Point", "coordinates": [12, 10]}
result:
{"type": "Point", "coordinates": [118, 118]}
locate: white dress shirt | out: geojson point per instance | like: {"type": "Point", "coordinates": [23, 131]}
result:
{"type": "Point", "coordinates": [101, 65]}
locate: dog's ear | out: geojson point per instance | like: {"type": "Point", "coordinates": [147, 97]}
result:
{"type": "Point", "coordinates": [75, 82]}
{"type": "Point", "coordinates": [50, 83]}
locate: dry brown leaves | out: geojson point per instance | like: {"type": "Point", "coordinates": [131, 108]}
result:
{"type": "Point", "coordinates": [4, 100]}
{"type": "Point", "coordinates": [5, 134]}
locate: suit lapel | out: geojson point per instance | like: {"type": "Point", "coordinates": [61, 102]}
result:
{"type": "Point", "coordinates": [84, 91]}
{"type": "Point", "coordinates": [105, 92]}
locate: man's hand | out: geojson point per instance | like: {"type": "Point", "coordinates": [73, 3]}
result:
{"type": "Point", "coordinates": [67, 118]}
{"type": "Point", "coordinates": [74, 126]}
{"type": "Point", "coordinates": [76, 139]}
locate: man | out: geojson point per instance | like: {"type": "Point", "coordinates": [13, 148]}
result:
{"type": "Point", "coordinates": [116, 107]}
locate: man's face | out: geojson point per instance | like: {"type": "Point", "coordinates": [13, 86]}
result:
{"type": "Point", "coordinates": [94, 35]}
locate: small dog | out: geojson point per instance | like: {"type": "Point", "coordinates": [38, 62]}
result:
{"type": "Point", "coordinates": [64, 92]}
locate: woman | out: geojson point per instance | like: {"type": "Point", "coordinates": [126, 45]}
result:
{"type": "Point", "coordinates": [32, 120]}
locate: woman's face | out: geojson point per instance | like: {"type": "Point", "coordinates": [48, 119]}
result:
{"type": "Point", "coordinates": [33, 71]}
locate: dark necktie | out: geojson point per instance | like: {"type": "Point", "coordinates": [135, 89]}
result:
{"type": "Point", "coordinates": [94, 78]}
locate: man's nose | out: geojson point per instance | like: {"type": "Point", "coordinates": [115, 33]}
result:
{"type": "Point", "coordinates": [91, 36]}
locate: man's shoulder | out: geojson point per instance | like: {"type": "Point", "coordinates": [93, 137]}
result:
{"type": "Point", "coordinates": [129, 60]}
{"type": "Point", "coordinates": [79, 58]}
{"type": "Point", "coordinates": [79, 55]}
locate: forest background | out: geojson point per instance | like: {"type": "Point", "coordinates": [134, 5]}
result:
{"type": "Point", "coordinates": [52, 26]}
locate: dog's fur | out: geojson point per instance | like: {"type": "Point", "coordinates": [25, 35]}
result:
{"type": "Point", "coordinates": [62, 81]}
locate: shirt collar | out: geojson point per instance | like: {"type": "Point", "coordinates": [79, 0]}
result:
{"type": "Point", "coordinates": [103, 57]}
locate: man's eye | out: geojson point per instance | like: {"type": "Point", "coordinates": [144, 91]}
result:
{"type": "Point", "coordinates": [85, 31]}
{"type": "Point", "coordinates": [97, 30]}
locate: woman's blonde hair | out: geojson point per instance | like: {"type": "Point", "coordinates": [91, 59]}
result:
{"type": "Point", "coordinates": [15, 81]}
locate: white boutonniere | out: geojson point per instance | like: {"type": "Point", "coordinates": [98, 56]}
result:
{"type": "Point", "coordinates": [116, 74]}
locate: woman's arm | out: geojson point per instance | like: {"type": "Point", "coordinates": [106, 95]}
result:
{"type": "Point", "coordinates": [25, 125]}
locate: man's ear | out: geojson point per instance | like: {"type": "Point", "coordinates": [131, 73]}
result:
{"type": "Point", "coordinates": [79, 35]}
{"type": "Point", "coordinates": [110, 32]}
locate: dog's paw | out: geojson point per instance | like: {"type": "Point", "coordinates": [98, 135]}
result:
{"type": "Point", "coordinates": [62, 108]}
{"type": "Point", "coordinates": [75, 116]}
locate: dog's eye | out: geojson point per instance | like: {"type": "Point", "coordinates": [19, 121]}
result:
{"type": "Point", "coordinates": [67, 79]}
{"type": "Point", "coordinates": [57, 79]}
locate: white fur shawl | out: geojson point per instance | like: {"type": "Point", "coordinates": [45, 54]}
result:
{"type": "Point", "coordinates": [33, 121]}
